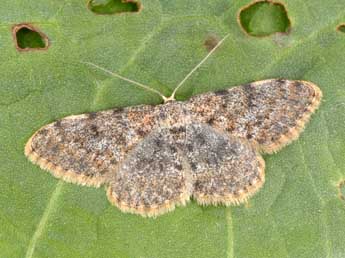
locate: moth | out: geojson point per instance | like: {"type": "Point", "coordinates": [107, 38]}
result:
{"type": "Point", "coordinates": [153, 158]}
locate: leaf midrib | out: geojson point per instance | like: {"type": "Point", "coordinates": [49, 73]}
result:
{"type": "Point", "coordinates": [43, 221]}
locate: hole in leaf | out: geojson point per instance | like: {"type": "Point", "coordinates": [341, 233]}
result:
{"type": "Point", "coordinates": [341, 187]}
{"type": "Point", "coordinates": [211, 42]}
{"type": "Point", "coordinates": [341, 28]}
{"type": "Point", "coordinates": [264, 18]}
{"type": "Point", "coordinates": [114, 6]}
{"type": "Point", "coordinates": [28, 38]}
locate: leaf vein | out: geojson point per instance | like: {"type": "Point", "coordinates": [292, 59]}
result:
{"type": "Point", "coordinates": [230, 247]}
{"type": "Point", "coordinates": [322, 203]}
{"type": "Point", "coordinates": [325, 125]}
{"type": "Point", "coordinates": [43, 222]}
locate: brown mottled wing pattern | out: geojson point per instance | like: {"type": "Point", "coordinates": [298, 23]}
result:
{"type": "Point", "coordinates": [86, 149]}
{"type": "Point", "coordinates": [225, 170]}
{"type": "Point", "coordinates": [173, 163]}
{"type": "Point", "coordinates": [153, 178]}
{"type": "Point", "coordinates": [153, 158]}
{"type": "Point", "coordinates": [270, 114]}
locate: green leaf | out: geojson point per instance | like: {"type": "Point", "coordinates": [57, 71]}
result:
{"type": "Point", "coordinates": [298, 212]}
{"type": "Point", "coordinates": [113, 6]}
{"type": "Point", "coordinates": [264, 18]}
{"type": "Point", "coordinates": [28, 38]}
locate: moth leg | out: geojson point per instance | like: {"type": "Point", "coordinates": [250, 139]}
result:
{"type": "Point", "coordinates": [225, 169]}
{"type": "Point", "coordinates": [153, 179]}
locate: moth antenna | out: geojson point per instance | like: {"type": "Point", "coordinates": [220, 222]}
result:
{"type": "Point", "coordinates": [127, 80]}
{"type": "Point", "coordinates": [172, 97]}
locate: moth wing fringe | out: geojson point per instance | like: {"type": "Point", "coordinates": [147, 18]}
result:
{"type": "Point", "coordinates": [152, 211]}
{"type": "Point", "coordinates": [232, 199]}
{"type": "Point", "coordinates": [58, 171]}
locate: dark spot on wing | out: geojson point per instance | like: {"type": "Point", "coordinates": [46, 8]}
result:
{"type": "Point", "coordinates": [158, 142]}
{"type": "Point", "coordinates": [92, 115]}
{"type": "Point", "coordinates": [178, 166]}
{"type": "Point", "coordinates": [193, 166]}
{"type": "Point", "coordinates": [211, 121]}
{"type": "Point", "coordinates": [57, 124]}
{"type": "Point", "coordinates": [94, 130]}
{"type": "Point", "coordinates": [43, 132]}
{"type": "Point", "coordinates": [180, 129]}
{"type": "Point", "coordinates": [281, 81]}
{"type": "Point", "coordinates": [141, 132]}
{"type": "Point", "coordinates": [162, 115]}
{"type": "Point", "coordinates": [117, 111]}
{"type": "Point", "coordinates": [249, 91]}
{"type": "Point", "coordinates": [173, 149]}
{"type": "Point", "coordinates": [221, 92]}
{"type": "Point", "coordinates": [200, 139]}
